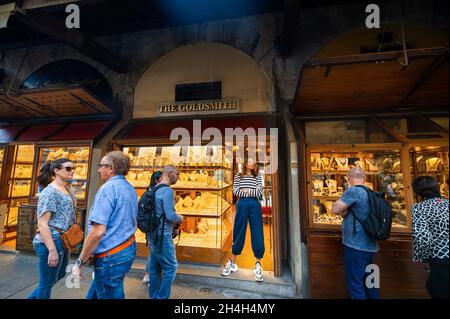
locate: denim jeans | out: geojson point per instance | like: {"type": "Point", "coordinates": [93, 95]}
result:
{"type": "Point", "coordinates": [355, 263]}
{"type": "Point", "coordinates": [49, 276]}
{"type": "Point", "coordinates": [109, 274]}
{"type": "Point", "coordinates": [162, 260]}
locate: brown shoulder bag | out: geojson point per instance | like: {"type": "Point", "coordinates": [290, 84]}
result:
{"type": "Point", "coordinates": [72, 237]}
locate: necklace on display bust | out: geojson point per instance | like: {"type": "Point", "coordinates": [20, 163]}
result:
{"type": "Point", "coordinates": [342, 163]}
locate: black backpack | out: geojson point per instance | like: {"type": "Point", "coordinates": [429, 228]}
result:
{"type": "Point", "coordinates": [147, 220]}
{"type": "Point", "coordinates": [378, 223]}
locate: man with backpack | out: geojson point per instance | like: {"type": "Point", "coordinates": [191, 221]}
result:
{"type": "Point", "coordinates": [162, 217]}
{"type": "Point", "coordinates": [359, 247]}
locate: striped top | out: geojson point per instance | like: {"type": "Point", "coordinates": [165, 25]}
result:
{"type": "Point", "coordinates": [250, 182]}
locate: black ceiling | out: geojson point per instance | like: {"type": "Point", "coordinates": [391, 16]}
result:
{"type": "Point", "coordinates": [107, 17]}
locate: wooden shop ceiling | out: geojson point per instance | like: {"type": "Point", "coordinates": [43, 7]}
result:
{"type": "Point", "coordinates": [369, 83]}
{"type": "Point", "coordinates": [59, 102]}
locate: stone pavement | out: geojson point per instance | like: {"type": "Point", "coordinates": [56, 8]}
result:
{"type": "Point", "coordinates": [19, 275]}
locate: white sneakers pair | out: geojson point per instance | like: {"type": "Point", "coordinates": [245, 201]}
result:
{"type": "Point", "coordinates": [232, 267]}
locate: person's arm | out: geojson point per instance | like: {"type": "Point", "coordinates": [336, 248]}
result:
{"type": "Point", "coordinates": [92, 241]}
{"type": "Point", "coordinates": [339, 208]}
{"type": "Point", "coordinates": [259, 187]}
{"type": "Point", "coordinates": [168, 205]}
{"type": "Point", "coordinates": [236, 185]}
{"type": "Point", "coordinates": [46, 235]}
{"type": "Point", "coordinates": [422, 237]}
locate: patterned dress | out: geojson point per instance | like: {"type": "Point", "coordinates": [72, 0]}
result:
{"type": "Point", "coordinates": [430, 229]}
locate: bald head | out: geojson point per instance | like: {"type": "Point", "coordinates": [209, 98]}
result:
{"type": "Point", "coordinates": [356, 176]}
{"type": "Point", "coordinates": [169, 168]}
{"type": "Point", "coordinates": [170, 175]}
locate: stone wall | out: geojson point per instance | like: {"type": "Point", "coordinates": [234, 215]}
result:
{"type": "Point", "coordinates": [254, 35]}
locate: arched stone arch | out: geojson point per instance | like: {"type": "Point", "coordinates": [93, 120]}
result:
{"type": "Point", "coordinates": [69, 72]}
{"type": "Point", "coordinates": [252, 35]}
{"type": "Point", "coordinates": [241, 77]}
{"type": "Point", "coordinates": [416, 37]}
{"type": "Point", "coordinates": [320, 27]}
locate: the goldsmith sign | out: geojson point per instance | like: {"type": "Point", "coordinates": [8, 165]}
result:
{"type": "Point", "coordinates": [199, 107]}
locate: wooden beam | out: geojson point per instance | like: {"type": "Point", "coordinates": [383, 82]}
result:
{"type": "Point", "coordinates": [373, 57]}
{"type": "Point", "coordinates": [38, 4]}
{"type": "Point", "coordinates": [291, 14]}
{"type": "Point", "coordinates": [441, 130]}
{"type": "Point", "coordinates": [76, 39]}
{"type": "Point", "coordinates": [427, 74]}
{"type": "Point", "coordinates": [389, 130]}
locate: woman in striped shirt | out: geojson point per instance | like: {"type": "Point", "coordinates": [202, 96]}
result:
{"type": "Point", "coordinates": [248, 187]}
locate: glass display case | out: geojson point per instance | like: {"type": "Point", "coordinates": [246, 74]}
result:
{"type": "Point", "coordinates": [203, 195]}
{"type": "Point", "coordinates": [79, 155]}
{"type": "Point", "coordinates": [19, 183]}
{"type": "Point", "coordinates": [328, 180]}
{"type": "Point", "coordinates": [432, 162]}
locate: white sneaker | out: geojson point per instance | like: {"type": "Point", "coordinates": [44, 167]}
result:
{"type": "Point", "coordinates": [145, 279]}
{"type": "Point", "coordinates": [258, 272]}
{"type": "Point", "coordinates": [229, 268]}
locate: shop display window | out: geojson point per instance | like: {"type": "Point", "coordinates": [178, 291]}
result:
{"type": "Point", "coordinates": [432, 162]}
{"type": "Point", "coordinates": [329, 180]}
{"type": "Point", "coordinates": [345, 132]}
{"type": "Point", "coordinates": [203, 195]}
{"type": "Point", "coordinates": [19, 184]}
{"type": "Point", "coordinates": [79, 155]}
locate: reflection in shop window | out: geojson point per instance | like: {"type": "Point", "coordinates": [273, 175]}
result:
{"type": "Point", "coordinates": [345, 132]}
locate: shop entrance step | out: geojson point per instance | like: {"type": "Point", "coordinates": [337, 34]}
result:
{"type": "Point", "coordinates": [243, 280]}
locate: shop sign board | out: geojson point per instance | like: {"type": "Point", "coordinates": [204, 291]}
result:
{"type": "Point", "coordinates": [222, 106]}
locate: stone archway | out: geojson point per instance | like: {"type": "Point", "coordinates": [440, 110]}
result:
{"type": "Point", "coordinates": [240, 75]}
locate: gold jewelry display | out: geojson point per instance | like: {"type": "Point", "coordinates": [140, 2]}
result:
{"type": "Point", "coordinates": [326, 163]}
{"type": "Point", "coordinates": [396, 166]}
{"type": "Point", "coordinates": [360, 164]}
{"type": "Point", "coordinates": [332, 186]}
{"type": "Point", "coordinates": [316, 209]}
{"type": "Point", "coordinates": [328, 206]}
{"type": "Point", "coordinates": [342, 163]}
{"type": "Point", "coordinates": [318, 186]}
{"type": "Point", "coordinates": [432, 164]}
{"type": "Point", "coordinates": [316, 163]}
{"type": "Point", "coordinates": [371, 164]}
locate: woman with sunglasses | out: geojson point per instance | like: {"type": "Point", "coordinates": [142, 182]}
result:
{"type": "Point", "coordinates": [55, 212]}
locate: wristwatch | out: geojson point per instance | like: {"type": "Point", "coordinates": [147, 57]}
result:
{"type": "Point", "coordinates": [80, 262]}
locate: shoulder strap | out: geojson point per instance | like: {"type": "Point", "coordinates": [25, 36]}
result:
{"type": "Point", "coordinates": [355, 216]}
{"type": "Point", "coordinates": [73, 204]}
{"type": "Point", "coordinates": [159, 186]}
